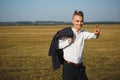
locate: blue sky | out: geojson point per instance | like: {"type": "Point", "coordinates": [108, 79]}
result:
{"type": "Point", "coordinates": [59, 10]}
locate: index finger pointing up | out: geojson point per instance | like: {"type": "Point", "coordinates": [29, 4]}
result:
{"type": "Point", "coordinates": [96, 26]}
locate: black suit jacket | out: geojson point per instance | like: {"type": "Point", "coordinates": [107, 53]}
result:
{"type": "Point", "coordinates": [54, 51]}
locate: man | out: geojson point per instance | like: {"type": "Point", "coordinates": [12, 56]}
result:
{"type": "Point", "coordinates": [72, 46]}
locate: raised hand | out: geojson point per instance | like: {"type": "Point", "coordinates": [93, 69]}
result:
{"type": "Point", "coordinates": [97, 30]}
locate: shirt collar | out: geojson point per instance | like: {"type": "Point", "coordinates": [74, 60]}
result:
{"type": "Point", "coordinates": [74, 30]}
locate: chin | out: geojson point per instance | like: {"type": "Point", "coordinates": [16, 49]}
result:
{"type": "Point", "coordinates": [79, 27]}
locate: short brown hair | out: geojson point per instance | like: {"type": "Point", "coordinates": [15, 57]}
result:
{"type": "Point", "coordinates": [79, 13]}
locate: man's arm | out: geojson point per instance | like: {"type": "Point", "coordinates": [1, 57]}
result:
{"type": "Point", "coordinates": [64, 43]}
{"type": "Point", "coordinates": [94, 35]}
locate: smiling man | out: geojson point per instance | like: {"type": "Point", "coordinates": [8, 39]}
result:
{"type": "Point", "coordinates": [71, 41]}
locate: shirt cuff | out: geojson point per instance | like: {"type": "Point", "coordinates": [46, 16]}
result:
{"type": "Point", "coordinates": [63, 43]}
{"type": "Point", "coordinates": [96, 35]}
{"type": "Point", "coordinates": [67, 42]}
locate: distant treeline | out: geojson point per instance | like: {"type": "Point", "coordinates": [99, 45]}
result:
{"type": "Point", "coordinates": [30, 23]}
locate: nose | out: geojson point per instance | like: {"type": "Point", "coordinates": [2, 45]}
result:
{"type": "Point", "coordinates": [79, 22]}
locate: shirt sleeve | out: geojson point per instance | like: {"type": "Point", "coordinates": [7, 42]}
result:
{"type": "Point", "coordinates": [63, 43]}
{"type": "Point", "coordinates": [89, 35]}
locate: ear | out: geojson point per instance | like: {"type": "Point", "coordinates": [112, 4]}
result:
{"type": "Point", "coordinates": [82, 23]}
{"type": "Point", "coordinates": [72, 21]}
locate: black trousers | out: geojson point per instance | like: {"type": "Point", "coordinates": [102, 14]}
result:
{"type": "Point", "coordinates": [72, 72]}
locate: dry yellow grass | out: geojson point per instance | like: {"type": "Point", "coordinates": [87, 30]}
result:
{"type": "Point", "coordinates": [24, 53]}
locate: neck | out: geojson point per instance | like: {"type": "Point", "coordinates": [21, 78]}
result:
{"type": "Point", "coordinates": [76, 29]}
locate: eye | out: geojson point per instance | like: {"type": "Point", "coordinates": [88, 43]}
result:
{"type": "Point", "coordinates": [79, 21]}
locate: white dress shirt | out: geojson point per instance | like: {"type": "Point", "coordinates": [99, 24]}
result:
{"type": "Point", "coordinates": [73, 52]}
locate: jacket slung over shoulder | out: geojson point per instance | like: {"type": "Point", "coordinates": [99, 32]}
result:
{"type": "Point", "coordinates": [54, 51]}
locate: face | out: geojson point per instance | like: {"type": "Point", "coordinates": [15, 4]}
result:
{"type": "Point", "coordinates": [77, 22]}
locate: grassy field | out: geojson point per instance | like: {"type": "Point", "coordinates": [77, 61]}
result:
{"type": "Point", "coordinates": [24, 53]}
